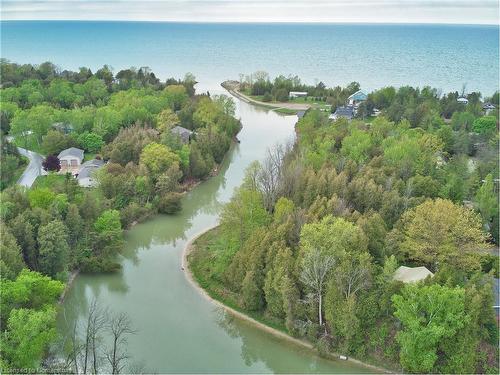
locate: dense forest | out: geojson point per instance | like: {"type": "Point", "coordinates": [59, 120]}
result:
{"type": "Point", "coordinates": [57, 226]}
{"type": "Point", "coordinates": [311, 240]}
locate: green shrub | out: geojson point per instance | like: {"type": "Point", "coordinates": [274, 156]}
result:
{"type": "Point", "coordinates": [170, 203]}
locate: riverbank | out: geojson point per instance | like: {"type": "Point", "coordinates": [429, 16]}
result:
{"type": "Point", "coordinates": [281, 107]}
{"type": "Point", "coordinates": [67, 287]}
{"type": "Point", "coordinates": [214, 297]}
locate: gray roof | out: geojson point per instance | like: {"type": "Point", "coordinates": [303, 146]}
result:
{"type": "Point", "coordinates": [89, 167]}
{"type": "Point", "coordinates": [93, 163]}
{"type": "Point", "coordinates": [184, 133]}
{"type": "Point", "coordinates": [410, 275]}
{"type": "Point", "coordinates": [488, 106]}
{"type": "Point", "coordinates": [345, 111]}
{"type": "Point", "coordinates": [72, 151]}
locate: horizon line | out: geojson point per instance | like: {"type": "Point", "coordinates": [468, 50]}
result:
{"type": "Point", "coordinates": [249, 22]}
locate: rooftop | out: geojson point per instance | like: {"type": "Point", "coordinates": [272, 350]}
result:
{"type": "Point", "coordinates": [344, 111]}
{"type": "Point", "coordinates": [183, 133]}
{"type": "Point", "coordinates": [411, 275]}
{"type": "Point", "coordinates": [358, 95]}
{"type": "Point", "coordinates": [72, 151]}
{"type": "Point", "coordinates": [88, 167]}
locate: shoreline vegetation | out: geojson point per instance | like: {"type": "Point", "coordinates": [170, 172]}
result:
{"type": "Point", "coordinates": [315, 239]}
{"type": "Point", "coordinates": [151, 142]}
{"type": "Point", "coordinates": [198, 282]}
{"type": "Point", "coordinates": [281, 107]}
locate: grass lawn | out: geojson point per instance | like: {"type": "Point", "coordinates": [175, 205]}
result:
{"type": "Point", "coordinates": [202, 266]}
{"type": "Point", "coordinates": [303, 100]}
{"type": "Point", "coordinates": [286, 111]}
{"type": "Point", "coordinates": [51, 181]}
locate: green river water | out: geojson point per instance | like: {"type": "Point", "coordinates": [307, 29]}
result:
{"type": "Point", "coordinates": [179, 331]}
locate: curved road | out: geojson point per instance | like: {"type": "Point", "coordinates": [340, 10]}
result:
{"type": "Point", "coordinates": [34, 168]}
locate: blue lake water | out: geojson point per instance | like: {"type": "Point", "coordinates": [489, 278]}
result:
{"type": "Point", "coordinates": [443, 56]}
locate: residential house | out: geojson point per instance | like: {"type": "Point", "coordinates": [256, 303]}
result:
{"type": "Point", "coordinates": [488, 108]}
{"type": "Point", "coordinates": [411, 274]}
{"type": "Point", "coordinates": [70, 159]}
{"type": "Point", "coordinates": [463, 100]}
{"type": "Point", "coordinates": [356, 98]}
{"type": "Point", "coordinates": [183, 133]}
{"type": "Point", "coordinates": [297, 94]}
{"type": "Point", "coordinates": [86, 174]}
{"type": "Point", "coordinates": [344, 111]}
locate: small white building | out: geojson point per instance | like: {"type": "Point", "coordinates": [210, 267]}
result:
{"type": "Point", "coordinates": [411, 274]}
{"type": "Point", "coordinates": [488, 108]}
{"type": "Point", "coordinates": [297, 94]}
{"type": "Point", "coordinates": [70, 159]}
{"type": "Point", "coordinates": [463, 100]}
{"type": "Point", "coordinates": [86, 174]}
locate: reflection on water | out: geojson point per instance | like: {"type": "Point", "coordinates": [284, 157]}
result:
{"type": "Point", "coordinates": [178, 330]}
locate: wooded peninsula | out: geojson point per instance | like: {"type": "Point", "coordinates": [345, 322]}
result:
{"type": "Point", "coordinates": [146, 141]}
{"type": "Point", "coordinates": [374, 235]}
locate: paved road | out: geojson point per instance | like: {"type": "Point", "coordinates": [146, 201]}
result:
{"type": "Point", "coordinates": [34, 168]}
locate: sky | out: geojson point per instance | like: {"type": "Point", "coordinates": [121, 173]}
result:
{"type": "Point", "coordinates": [362, 11]}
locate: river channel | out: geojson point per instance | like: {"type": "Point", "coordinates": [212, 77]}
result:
{"type": "Point", "coordinates": [179, 331]}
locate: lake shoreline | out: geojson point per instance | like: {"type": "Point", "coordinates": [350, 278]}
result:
{"type": "Point", "coordinates": [189, 248]}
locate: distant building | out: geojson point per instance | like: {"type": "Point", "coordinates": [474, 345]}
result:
{"type": "Point", "coordinates": [86, 173]}
{"type": "Point", "coordinates": [356, 98]}
{"type": "Point", "coordinates": [183, 133]}
{"type": "Point", "coordinates": [63, 127]}
{"type": "Point", "coordinates": [301, 114]}
{"type": "Point", "coordinates": [344, 111]}
{"type": "Point", "coordinates": [463, 100]}
{"type": "Point", "coordinates": [411, 275]}
{"type": "Point", "coordinates": [376, 112]}
{"type": "Point", "coordinates": [488, 108]}
{"type": "Point", "coordinates": [71, 159]}
{"type": "Point", "coordinates": [297, 94]}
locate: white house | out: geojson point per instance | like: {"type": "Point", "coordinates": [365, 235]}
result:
{"type": "Point", "coordinates": [70, 159]}
{"type": "Point", "coordinates": [86, 174]}
{"type": "Point", "coordinates": [463, 101]}
{"type": "Point", "coordinates": [411, 275]}
{"type": "Point", "coordinates": [297, 94]}
{"type": "Point", "coordinates": [488, 108]}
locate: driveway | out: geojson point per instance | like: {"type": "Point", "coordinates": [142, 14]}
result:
{"type": "Point", "coordinates": [34, 168]}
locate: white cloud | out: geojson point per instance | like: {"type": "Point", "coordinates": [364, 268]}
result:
{"type": "Point", "coordinates": [398, 11]}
